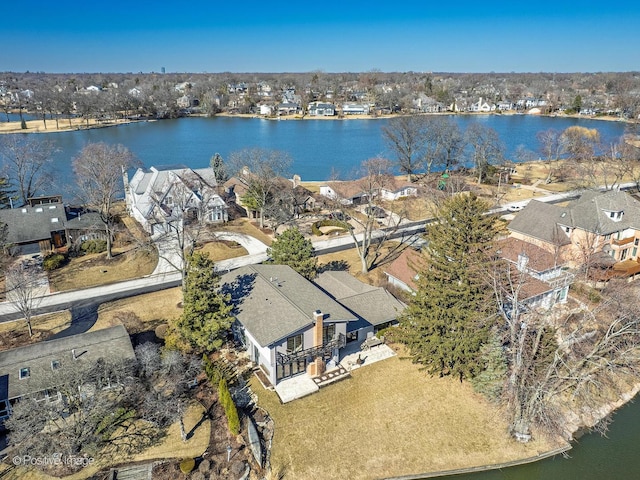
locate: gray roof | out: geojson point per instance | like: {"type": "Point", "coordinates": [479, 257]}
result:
{"type": "Point", "coordinates": [274, 301]}
{"type": "Point", "coordinates": [540, 220]}
{"type": "Point", "coordinates": [31, 224]}
{"type": "Point", "coordinates": [373, 304]}
{"type": "Point", "coordinates": [590, 213]}
{"type": "Point", "coordinates": [110, 344]}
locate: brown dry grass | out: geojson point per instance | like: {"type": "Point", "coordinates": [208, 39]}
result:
{"type": "Point", "coordinates": [37, 126]}
{"type": "Point", "coordinates": [15, 333]}
{"type": "Point", "coordinates": [388, 253]}
{"type": "Point", "coordinates": [171, 447]}
{"type": "Point", "coordinates": [389, 419]}
{"type": "Point", "coordinates": [142, 312]}
{"type": "Point", "coordinates": [246, 226]}
{"type": "Point", "coordinates": [223, 250]}
{"type": "Point", "coordinates": [94, 269]}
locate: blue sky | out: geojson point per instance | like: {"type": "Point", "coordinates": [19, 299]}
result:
{"type": "Point", "coordinates": [332, 36]}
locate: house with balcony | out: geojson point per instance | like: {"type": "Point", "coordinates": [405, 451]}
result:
{"type": "Point", "coordinates": [599, 228]}
{"type": "Point", "coordinates": [288, 325]}
{"type": "Point", "coordinates": [538, 278]}
{"type": "Point", "coordinates": [321, 109]}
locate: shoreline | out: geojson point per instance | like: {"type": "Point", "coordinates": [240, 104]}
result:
{"type": "Point", "coordinates": [37, 126]}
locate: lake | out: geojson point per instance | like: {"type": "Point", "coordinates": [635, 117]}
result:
{"type": "Point", "coordinates": [317, 147]}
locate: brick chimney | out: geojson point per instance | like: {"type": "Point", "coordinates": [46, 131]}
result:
{"type": "Point", "coordinates": [317, 367]}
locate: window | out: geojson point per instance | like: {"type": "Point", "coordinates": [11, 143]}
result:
{"type": "Point", "coordinates": [624, 253]}
{"type": "Point", "coordinates": [636, 242]}
{"type": "Point", "coordinates": [352, 336]}
{"type": "Point", "coordinates": [294, 343]}
{"type": "Point", "coordinates": [612, 214]}
{"type": "Point", "coordinates": [607, 236]}
{"type": "Point", "coordinates": [55, 364]}
{"type": "Point", "coordinates": [25, 373]}
{"type": "Point", "coordinates": [328, 332]}
{"type": "Point", "coordinates": [634, 252]}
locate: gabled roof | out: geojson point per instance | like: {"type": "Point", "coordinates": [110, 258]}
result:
{"type": "Point", "coordinates": [373, 304]}
{"type": "Point", "coordinates": [538, 259]}
{"type": "Point", "coordinates": [404, 267]}
{"type": "Point", "coordinates": [541, 221]}
{"type": "Point", "coordinates": [111, 344]}
{"type": "Point", "coordinates": [591, 212]}
{"type": "Point", "coordinates": [30, 224]}
{"type": "Point", "coordinates": [274, 301]}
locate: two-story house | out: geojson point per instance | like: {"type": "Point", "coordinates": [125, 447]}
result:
{"type": "Point", "coordinates": [160, 195]}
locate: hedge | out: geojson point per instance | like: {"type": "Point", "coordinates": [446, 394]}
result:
{"type": "Point", "coordinates": [230, 409]}
{"type": "Point", "coordinates": [315, 227]}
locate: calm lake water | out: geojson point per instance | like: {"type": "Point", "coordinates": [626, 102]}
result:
{"type": "Point", "coordinates": [316, 147]}
{"type": "Point", "coordinates": [320, 146]}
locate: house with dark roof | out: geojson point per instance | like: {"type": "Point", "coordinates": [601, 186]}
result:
{"type": "Point", "coordinates": [598, 223]}
{"type": "Point", "coordinates": [374, 307]}
{"type": "Point", "coordinates": [46, 224]}
{"type": "Point", "coordinates": [287, 324]}
{"type": "Point", "coordinates": [32, 369]}
{"type": "Point", "coordinates": [161, 195]}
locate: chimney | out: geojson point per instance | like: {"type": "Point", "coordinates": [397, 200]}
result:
{"type": "Point", "coordinates": [73, 353]}
{"type": "Point", "coordinates": [317, 367]}
{"type": "Point", "coordinates": [317, 329]}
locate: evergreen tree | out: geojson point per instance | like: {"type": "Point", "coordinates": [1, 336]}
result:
{"type": "Point", "coordinates": [291, 248]}
{"type": "Point", "coordinates": [206, 315]}
{"type": "Point", "coordinates": [445, 323]}
{"type": "Point", "coordinates": [490, 380]}
{"type": "Point", "coordinates": [219, 169]}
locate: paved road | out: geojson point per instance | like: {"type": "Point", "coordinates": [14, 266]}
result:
{"type": "Point", "coordinates": [166, 277]}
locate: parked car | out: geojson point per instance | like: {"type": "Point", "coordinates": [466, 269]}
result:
{"type": "Point", "coordinates": [515, 208]}
{"type": "Point", "coordinates": [377, 212]}
{"type": "Point", "coordinates": [343, 217]}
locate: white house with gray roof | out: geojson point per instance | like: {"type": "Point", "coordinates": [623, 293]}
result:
{"type": "Point", "coordinates": [155, 195]}
{"type": "Point", "coordinates": [285, 321]}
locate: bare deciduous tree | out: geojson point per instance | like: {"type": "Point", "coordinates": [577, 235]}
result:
{"type": "Point", "coordinates": [27, 160]}
{"type": "Point", "coordinates": [486, 148]}
{"type": "Point", "coordinates": [261, 171]}
{"type": "Point", "coordinates": [405, 136]}
{"type": "Point", "coordinates": [98, 169]}
{"type": "Point", "coordinates": [367, 237]}
{"type": "Point", "coordinates": [24, 291]}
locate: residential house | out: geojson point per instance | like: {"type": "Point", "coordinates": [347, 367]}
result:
{"type": "Point", "coordinates": [155, 196]}
{"type": "Point", "coordinates": [396, 189]}
{"type": "Point", "coordinates": [482, 106]}
{"type": "Point", "coordinates": [403, 271]}
{"type": "Point", "coordinates": [321, 109]}
{"type": "Point", "coordinates": [596, 224]}
{"type": "Point", "coordinates": [289, 108]}
{"type": "Point", "coordinates": [46, 224]}
{"type": "Point", "coordinates": [375, 307]}
{"type": "Point", "coordinates": [348, 193]}
{"type": "Point", "coordinates": [539, 276]}
{"type": "Point", "coordinates": [265, 109]}
{"type": "Point", "coordinates": [355, 109]}
{"type": "Point", "coordinates": [33, 369]}
{"type": "Point", "coordinates": [287, 324]}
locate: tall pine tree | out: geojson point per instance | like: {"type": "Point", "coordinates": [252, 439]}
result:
{"type": "Point", "coordinates": [206, 316]}
{"type": "Point", "coordinates": [291, 248]}
{"type": "Point", "coordinates": [445, 324]}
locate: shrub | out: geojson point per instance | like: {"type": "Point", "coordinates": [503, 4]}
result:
{"type": "Point", "coordinates": [230, 410]}
{"type": "Point", "coordinates": [53, 261]}
{"type": "Point", "coordinates": [94, 246]}
{"type": "Point", "coordinates": [315, 227]}
{"type": "Point", "coordinates": [187, 465]}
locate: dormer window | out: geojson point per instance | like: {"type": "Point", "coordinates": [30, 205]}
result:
{"type": "Point", "coordinates": [25, 372]}
{"type": "Point", "coordinates": [616, 216]}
